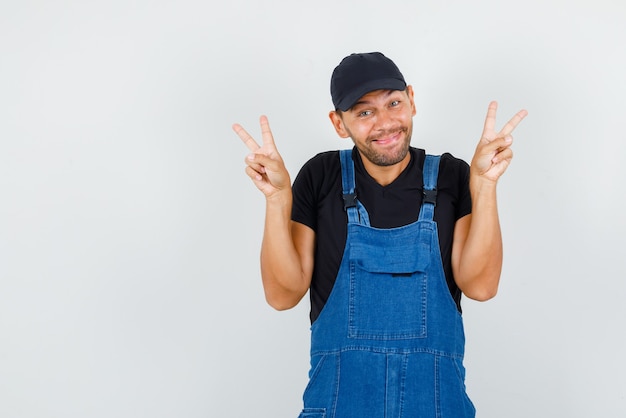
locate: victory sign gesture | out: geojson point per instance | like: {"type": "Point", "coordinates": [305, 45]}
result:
{"type": "Point", "coordinates": [265, 166]}
{"type": "Point", "coordinates": [493, 152]}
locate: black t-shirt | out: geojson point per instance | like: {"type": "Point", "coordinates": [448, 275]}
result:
{"type": "Point", "coordinates": [318, 203]}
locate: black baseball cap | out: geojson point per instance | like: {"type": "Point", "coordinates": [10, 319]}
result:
{"type": "Point", "coordinates": [359, 73]}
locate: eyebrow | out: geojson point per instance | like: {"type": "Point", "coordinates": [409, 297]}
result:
{"type": "Point", "coordinates": [361, 102]}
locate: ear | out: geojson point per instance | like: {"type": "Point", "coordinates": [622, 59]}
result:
{"type": "Point", "coordinates": [337, 121]}
{"type": "Point", "coordinates": [409, 92]}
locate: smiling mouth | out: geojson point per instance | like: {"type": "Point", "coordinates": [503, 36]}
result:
{"type": "Point", "coordinates": [390, 138]}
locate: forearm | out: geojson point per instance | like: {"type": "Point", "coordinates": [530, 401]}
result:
{"type": "Point", "coordinates": [480, 262]}
{"type": "Point", "coordinates": [286, 248]}
{"type": "Point", "coordinates": [284, 281]}
{"type": "Point", "coordinates": [477, 248]}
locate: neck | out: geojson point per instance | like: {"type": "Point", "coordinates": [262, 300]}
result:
{"type": "Point", "coordinates": [385, 175]}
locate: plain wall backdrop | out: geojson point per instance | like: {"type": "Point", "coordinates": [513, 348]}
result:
{"type": "Point", "coordinates": [130, 234]}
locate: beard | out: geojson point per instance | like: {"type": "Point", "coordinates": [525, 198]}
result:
{"type": "Point", "coordinates": [388, 157]}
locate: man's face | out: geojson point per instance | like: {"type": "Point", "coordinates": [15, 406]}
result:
{"type": "Point", "coordinates": [380, 124]}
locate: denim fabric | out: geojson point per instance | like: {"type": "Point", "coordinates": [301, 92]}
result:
{"type": "Point", "coordinates": [389, 341]}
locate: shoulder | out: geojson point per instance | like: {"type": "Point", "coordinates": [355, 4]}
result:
{"type": "Point", "coordinates": [452, 160]}
{"type": "Point", "coordinates": [448, 163]}
{"type": "Point", "coordinates": [454, 182]}
{"type": "Point", "coordinates": [318, 175]}
{"type": "Point", "coordinates": [323, 159]}
{"type": "Point", "coordinates": [322, 169]}
{"type": "Point", "coordinates": [453, 168]}
{"type": "Point", "coordinates": [320, 165]}
{"type": "Point", "coordinates": [319, 178]}
{"type": "Point", "coordinates": [319, 169]}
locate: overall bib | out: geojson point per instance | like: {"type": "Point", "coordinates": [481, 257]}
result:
{"type": "Point", "coordinates": [389, 342]}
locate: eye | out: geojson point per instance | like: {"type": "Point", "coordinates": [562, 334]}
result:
{"type": "Point", "coordinates": [364, 113]}
{"type": "Point", "coordinates": [395, 103]}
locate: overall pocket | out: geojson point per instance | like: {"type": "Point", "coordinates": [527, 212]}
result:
{"type": "Point", "coordinates": [388, 290]}
{"type": "Point", "coordinates": [321, 391]}
{"type": "Point", "coordinates": [313, 413]}
{"type": "Point", "coordinates": [453, 399]}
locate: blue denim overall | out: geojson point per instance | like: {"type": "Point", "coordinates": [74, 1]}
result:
{"type": "Point", "coordinates": [389, 342]}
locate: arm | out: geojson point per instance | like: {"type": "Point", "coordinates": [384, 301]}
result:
{"type": "Point", "coordinates": [477, 243]}
{"type": "Point", "coordinates": [287, 249]}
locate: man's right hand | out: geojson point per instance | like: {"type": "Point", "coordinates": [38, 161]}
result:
{"type": "Point", "coordinates": [265, 166]}
{"type": "Point", "coordinates": [288, 247]}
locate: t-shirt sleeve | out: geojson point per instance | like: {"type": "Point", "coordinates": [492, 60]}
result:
{"type": "Point", "coordinates": [465, 198]}
{"type": "Point", "coordinates": [456, 172]}
{"type": "Point", "coordinates": [318, 177]}
{"type": "Point", "coordinates": [304, 208]}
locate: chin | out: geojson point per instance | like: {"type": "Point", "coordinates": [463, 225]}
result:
{"type": "Point", "coordinates": [385, 160]}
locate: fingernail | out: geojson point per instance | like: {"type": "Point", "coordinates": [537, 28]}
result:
{"type": "Point", "coordinates": [251, 157]}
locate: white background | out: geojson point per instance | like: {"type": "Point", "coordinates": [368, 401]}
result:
{"type": "Point", "coordinates": [130, 234]}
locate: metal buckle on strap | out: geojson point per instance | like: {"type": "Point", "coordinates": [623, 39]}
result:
{"type": "Point", "coordinates": [349, 200]}
{"type": "Point", "coordinates": [430, 196]}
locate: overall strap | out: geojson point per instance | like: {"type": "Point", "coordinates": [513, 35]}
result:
{"type": "Point", "coordinates": [430, 173]}
{"type": "Point", "coordinates": [356, 211]}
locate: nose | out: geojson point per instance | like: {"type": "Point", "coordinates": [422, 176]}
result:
{"type": "Point", "coordinates": [384, 119]}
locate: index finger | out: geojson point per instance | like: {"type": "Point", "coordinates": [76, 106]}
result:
{"type": "Point", "coordinates": [246, 137]}
{"type": "Point", "coordinates": [266, 135]}
{"type": "Point", "coordinates": [511, 124]}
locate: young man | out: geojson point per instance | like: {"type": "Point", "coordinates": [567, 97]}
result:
{"type": "Point", "coordinates": [386, 239]}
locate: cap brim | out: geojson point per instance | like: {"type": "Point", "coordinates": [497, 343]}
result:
{"type": "Point", "coordinates": [361, 90]}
